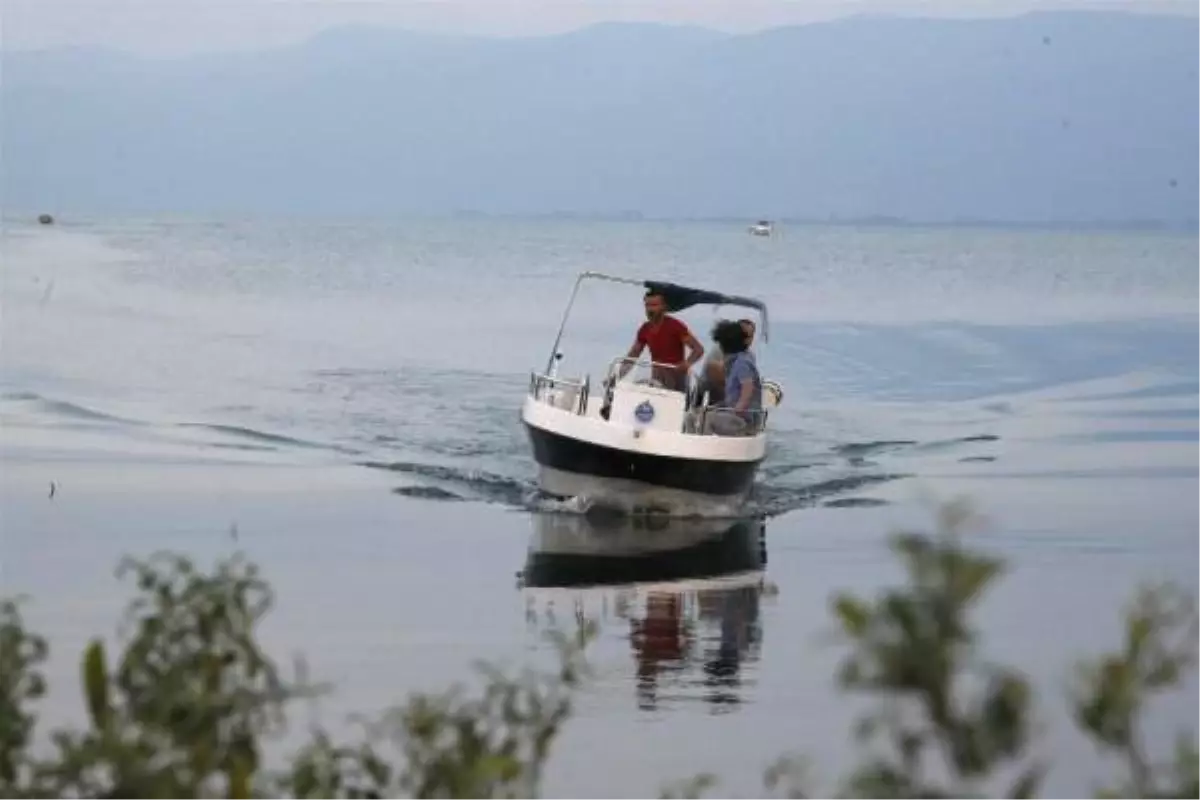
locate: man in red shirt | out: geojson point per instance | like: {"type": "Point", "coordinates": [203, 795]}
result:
{"type": "Point", "coordinates": [666, 337]}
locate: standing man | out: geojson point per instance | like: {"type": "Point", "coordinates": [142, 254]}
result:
{"type": "Point", "coordinates": [667, 338]}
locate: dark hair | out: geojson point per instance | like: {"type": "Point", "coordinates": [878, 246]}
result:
{"type": "Point", "coordinates": [730, 336]}
{"type": "Point", "coordinates": [747, 321]}
{"type": "Point", "coordinates": [654, 293]}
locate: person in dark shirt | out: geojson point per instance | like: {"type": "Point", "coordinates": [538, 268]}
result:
{"type": "Point", "coordinates": [667, 339]}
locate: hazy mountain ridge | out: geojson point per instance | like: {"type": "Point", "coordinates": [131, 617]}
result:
{"type": "Point", "coordinates": [1053, 116]}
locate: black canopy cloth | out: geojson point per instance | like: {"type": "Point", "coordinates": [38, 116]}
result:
{"type": "Point", "coordinates": [679, 298]}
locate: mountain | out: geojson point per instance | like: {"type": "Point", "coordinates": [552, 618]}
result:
{"type": "Point", "coordinates": [1049, 116]}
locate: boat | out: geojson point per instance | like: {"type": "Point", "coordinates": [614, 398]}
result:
{"type": "Point", "coordinates": [635, 444]}
{"type": "Point", "coordinates": [763, 227]}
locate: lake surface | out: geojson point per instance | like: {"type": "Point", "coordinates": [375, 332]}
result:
{"type": "Point", "coordinates": [343, 396]}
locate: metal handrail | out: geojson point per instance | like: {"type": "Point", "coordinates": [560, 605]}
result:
{"type": "Point", "coordinates": [699, 421]}
{"type": "Point", "coordinates": [755, 422]}
{"type": "Point", "coordinates": [634, 362]}
{"type": "Point", "coordinates": [539, 383]}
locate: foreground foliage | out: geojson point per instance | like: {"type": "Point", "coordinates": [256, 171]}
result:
{"type": "Point", "coordinates": [187, 704]}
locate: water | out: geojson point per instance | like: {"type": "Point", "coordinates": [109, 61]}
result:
{"type": "Point", "coordinates": [341, 398]}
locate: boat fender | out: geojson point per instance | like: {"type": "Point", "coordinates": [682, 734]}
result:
{"type": "Point", "coordinates": [773, 394]}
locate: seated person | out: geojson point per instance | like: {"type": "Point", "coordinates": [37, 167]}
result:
{"type": "Point", "coordinates": [743, 385]}
{"type": "Point", "coordinates": [713, 380]}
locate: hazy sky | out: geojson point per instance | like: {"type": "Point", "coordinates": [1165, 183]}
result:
{"type": "Point", "coordinates": [171, 27]}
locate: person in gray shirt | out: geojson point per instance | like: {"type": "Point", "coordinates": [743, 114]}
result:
{"type": "Point", "coordinates": [741, 405]}
{"type": "Point", "coordinates": [714, 365]}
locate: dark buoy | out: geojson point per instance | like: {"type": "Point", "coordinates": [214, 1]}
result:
{"type": "Point", "coordinates": [46, 219]}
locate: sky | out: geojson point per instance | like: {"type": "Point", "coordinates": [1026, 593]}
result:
{"type": "Point", "coordinates": [165, 28]}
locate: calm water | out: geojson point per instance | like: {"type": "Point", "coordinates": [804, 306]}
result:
{"type": "Point", "coordinates": [345, 396]}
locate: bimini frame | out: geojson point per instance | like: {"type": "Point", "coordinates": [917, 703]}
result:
{"type": "Point", "coordinates": [677, 298]}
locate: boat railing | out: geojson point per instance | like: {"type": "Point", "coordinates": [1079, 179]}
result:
{"type": "Point", "coordinates": [572, 395]}
{"type": "Point", "coordinates": [725, 421]}
{"type": "Point", "coordinates": [564, 393]}
{"type": "Point", "coordinates": [651, 373]}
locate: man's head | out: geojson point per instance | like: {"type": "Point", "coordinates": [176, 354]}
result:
{"type": "Point", "coordinates": [749, 328]}
{"type": "Point", "coordinates": [656, 305]}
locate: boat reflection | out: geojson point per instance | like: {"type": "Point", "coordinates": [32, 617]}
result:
{"type": "Point", "coordinates": [684, 594]}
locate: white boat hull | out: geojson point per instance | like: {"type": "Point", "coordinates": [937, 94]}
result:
{"type": "Point", "coordinates": [631, 467]}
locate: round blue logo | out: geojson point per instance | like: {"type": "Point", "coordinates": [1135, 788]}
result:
{"type": "Point", "coordinates": [644, 412]}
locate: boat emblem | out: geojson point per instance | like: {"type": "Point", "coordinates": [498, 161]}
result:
{"type": "Point", "coordinates": [644, 411]}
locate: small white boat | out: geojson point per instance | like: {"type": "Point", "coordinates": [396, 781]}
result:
{"type": "Point", "coordinates": [635, 444]}
{"type": "Point", "coordinates": [762, 228]}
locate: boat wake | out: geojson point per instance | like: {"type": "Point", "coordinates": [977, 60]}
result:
{"type": "Point", "coordinates": [836, 475]}
{"type": "Point", "coordinates": [435, 482]}
{"type": "Point", "coordinates": [839, 475]}
{"type": "Point", "coordinates": [768, 499]}
{"type": "Point", "coordinates": [24, 409]}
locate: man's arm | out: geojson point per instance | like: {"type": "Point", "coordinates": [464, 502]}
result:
{"type": "Point", "coordinates": [696, 349]}
{"type": "Point", "coordinates": [634, 352]}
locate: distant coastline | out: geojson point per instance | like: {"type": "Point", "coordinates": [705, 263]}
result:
{"type": "Point", "coordinates": [865, 221]}
{"type": "Point", "coordinates": [67, 217]}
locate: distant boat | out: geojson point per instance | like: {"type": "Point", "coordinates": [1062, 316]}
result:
{"type": "Point", "coordinates": [45, 219]}
{"type": "Point", "coordinates": [764, 227]}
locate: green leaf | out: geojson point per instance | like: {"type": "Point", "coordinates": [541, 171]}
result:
{"type": "Point", "coordinates": [95, 684]}
{"type": "Point", "coordinates": [693, 787]}
{"type": "Point", "coordinates": [972, 576]}
{"type": "Point", "coordinates": [244, 749]}
{"type": "Point", "coordinates": [853, 614]}
{"type": "Point", "coordinates": [791, 773]}
{"type": "Point", "coordinates": [1005, 713]}
{"type": "Point", "coordinates": [499, 768]}
{"type": "Point", "coordinates": [239, 779]}
{"type": "Point", "coordinates": [376, 769]}
{"type": "Point", "coordinates": [1027, 784]}
{"type": "Point", "coordinates": [865, 728]}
